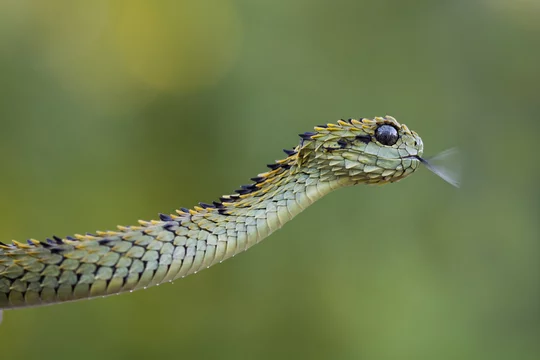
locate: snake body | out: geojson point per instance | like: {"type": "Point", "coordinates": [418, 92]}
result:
{"type": "Point", "coordinates": [134, 257]}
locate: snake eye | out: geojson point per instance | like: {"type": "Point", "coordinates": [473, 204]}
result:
{"type": "Point", "coordinates": [386, 135]}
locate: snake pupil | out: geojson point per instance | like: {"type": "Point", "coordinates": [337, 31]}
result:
{"type": "Point", "coordinates": [386, 135]}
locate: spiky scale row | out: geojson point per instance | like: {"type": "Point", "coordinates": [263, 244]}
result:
{"type": "Point", "coordinates": [177, 245]}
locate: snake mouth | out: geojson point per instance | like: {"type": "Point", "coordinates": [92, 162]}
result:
{"type": "Point", "coordinates": [422, 160]}
{"type": "Point", "coordinates": [415, 157]}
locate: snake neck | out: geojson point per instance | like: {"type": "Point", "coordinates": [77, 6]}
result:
{"type": "Point", "coordinates": [257, 210]}
{"type": "Point", "coordinates": [292, 183]}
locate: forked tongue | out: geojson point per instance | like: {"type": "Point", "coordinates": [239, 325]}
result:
{"type": "Point", "coordinates": [445, 165]}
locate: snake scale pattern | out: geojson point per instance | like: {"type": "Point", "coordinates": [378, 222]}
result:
{"type": "Point", "coordinates": [350, 152]}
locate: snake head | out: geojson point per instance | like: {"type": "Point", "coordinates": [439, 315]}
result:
{"type": "Point", "coordinates": [372, 151]}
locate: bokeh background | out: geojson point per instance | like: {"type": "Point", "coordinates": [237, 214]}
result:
{"type": "Point", "coordinates": [111, 111]}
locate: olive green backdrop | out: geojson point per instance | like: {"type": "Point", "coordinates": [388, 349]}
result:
{"type": "Point", "coordinates": [115, 111]}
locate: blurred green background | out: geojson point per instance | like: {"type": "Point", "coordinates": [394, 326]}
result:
{"type": "Point", "coordinates": [111, 111]}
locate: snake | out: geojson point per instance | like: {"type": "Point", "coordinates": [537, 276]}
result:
{"type": "Point", "coordinates": [350, 152]}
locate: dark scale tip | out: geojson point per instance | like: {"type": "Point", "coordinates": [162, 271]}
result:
{"type": "Point", "coordinates": [223, 211]}
{"type": "Point", "coordinates": [90, 234]}
{"type": "Point", "coordinates": [289, 152]}
{"type": "Point", "coordinates": [273, 166]}
{"type": "Point", "coordinates": [342, 143]}
{"type": "Point", "coordinates": [286, 166]}
{"type": "Point", "coordinates": [364, 138]}
{"type": "Point", "coordinates": [322, 126]}
{"type": "Point", "coordinates": [205, 205]}
{"type": "Point", "coordinates": [257, 179]}
{"type": "Point", "coordinates": [165, 217]}
{"type": "Point", "coordinates": [242, 191]}
{"type": "Point", "coordinates": [186, 210]}
{"type": "Point", "coordinates": [307, 135]}
{"type": "Point", "coordinates": [57, 238]}
{"type": "Point", "coordinates": [70, 238]}
{"type": "Point", "coordinates": [50, 241]}
{"type": "Point", "coordinates": [55, 250]}
{"type": "Point", "coordinates": [106, 241]}
{"type": "Point", "coordinates": [231, 198]}
{"type": "Point", "coordinates": [169, 226]}
{"type": "Point", "coordinates": [30, 242]}
{"type": "Point", "coordinates": [217, 204]}
{"type": "Point", "coordinates": [250, 187]}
